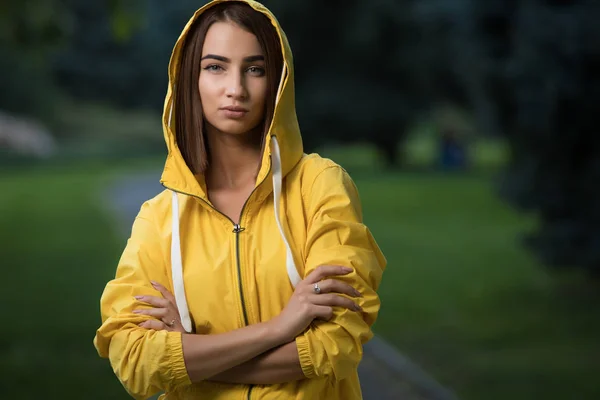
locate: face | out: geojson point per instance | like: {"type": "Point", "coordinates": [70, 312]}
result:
{"type": "Point", "coordinates": [232, 82]}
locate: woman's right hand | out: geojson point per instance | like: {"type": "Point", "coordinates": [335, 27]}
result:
{"type": "Point", "coordinates": [306, 304]}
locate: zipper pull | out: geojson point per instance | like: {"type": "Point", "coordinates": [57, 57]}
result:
{"type": "Point", "coordinates": [237, 228]}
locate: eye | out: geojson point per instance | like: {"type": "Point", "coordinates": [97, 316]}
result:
{"type": "Point", "coordinates": [256, 71]}
{"type": "Point", "coordinates": [213, 68]}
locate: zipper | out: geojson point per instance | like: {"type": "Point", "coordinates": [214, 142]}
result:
{"type": "Point", "coordinates": [236, 229]}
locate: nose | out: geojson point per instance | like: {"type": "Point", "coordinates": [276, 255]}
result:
{"type": "Point", "coordinates": [236, 86]}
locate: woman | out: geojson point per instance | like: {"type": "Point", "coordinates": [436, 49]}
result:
{"type": "Point", "coordinates": [252, 275]}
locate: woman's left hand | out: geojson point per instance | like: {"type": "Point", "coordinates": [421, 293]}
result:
{"type": "Point", "coordinates": [165, 311]}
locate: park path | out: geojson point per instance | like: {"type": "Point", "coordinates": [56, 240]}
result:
{"type": "Point", "coordinates": [385, 374]}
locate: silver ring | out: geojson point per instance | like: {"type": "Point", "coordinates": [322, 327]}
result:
{"type": "Point", "coordinates": [316, 288]}
{"type": "Point", "coordinates": [170, 325]}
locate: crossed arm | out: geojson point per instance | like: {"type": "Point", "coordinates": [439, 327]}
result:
{"type": "Point", "coordinates": [264, 353]}
{"type": "Point", "coordinates": [278, 365]}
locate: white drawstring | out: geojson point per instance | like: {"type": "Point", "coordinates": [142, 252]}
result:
{"type": "Point", "coordinates": [277, 182]}
{"type": "Point", "coordinates": [177, 267]}
{"type": "Point", "coordinates": [176, 264]}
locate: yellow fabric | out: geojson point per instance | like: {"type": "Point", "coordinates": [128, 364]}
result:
{"type": "Point", "coordinates": [322, 219]}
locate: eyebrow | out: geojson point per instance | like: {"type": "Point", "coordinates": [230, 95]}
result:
{"type": "Point", "coordinates": [227, 60]}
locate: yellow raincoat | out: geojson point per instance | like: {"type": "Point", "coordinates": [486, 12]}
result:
{"type": "Point", "coordinates": [304, 212]}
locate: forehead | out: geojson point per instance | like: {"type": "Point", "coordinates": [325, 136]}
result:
{"type": "Point", "coordinates": [230, 40]}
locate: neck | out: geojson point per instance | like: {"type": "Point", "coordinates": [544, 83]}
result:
{"type": "Point", "coordinates": [234, 159]}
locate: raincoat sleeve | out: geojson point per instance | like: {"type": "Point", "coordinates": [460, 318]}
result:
{"type": "Point", "coordinates": [145, 361]}
{"type": "Point", "coordinates": [337, 236]}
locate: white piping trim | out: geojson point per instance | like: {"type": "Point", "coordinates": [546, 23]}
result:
{"type": "Point", "coordinates": [177, 267]}
{"type": "Point", "coordinates": [281, 80]}
{"type": "Point", "coordinates": [277, 183]}
{"type": "Point", "coordinates": [170, 111]}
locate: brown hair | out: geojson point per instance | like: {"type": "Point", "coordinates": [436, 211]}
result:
{"type": "Point", "coordinates": [189, 128]}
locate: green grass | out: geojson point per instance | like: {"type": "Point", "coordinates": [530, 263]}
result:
{"type": "Point", "coordinates": [460, 297]}
{"type": "Point", "coordinates": [465, 302]}
{"type": "Point", "coordinates": [58, 251]}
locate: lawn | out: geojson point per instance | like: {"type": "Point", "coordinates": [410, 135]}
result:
{"type": "Point", "coordinates": [58, 250]}
{"type": "Point", "coordinates": [466, 303]}
{"type": "Point", "coordinates": [459, 296]}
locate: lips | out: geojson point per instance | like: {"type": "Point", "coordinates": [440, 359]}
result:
{"type": "Point", "coordinates": [234, 112]}
{"type": "Point", "coordinates": [235, 109]}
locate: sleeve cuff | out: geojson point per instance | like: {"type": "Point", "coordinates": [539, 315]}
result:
{"type": "Point", "coordinates": [177, 368]}
{"type": "Point", "coordinates": [304, 355]}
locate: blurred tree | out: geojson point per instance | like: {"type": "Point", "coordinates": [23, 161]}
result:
{"type": "Point", "coordinates": [467, 48]}
{"type": "Point", "coordinates": [31, 34]}
{"type": "Point", "coordinates": [555, 169]}
{"type": "Point", "coordinates": [357, 66]}
{"type": "Point", "coordinates": [127, 73]}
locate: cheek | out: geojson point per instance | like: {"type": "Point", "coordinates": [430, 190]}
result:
{"type": "Point", "coordinates": [207, 89]}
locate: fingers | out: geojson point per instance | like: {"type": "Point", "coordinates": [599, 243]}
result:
{"type": "Point", "coordinates": [334, 300]}
{"type": "Point", "coordinates": [163, 309]}
{"type": "Point", "coordinates": [153, 312]}
{"type": "Point", "coordinates": [324, 271]}
{"type": "Point", "coordinates": [155, 301]}
{"type": "Point", "coordinates": [164, 291]}
{"type": "Point", "coordinates": [334, 285]}
{"type": "Point", "coordinates": [324, 313]}
{"type": "Point", "coordinates": [164, 322]}
{"type": "Point", "coordinates": [154, 324]}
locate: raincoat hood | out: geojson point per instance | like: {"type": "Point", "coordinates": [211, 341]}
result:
{"type": "Point", "coordinates": [283, 133]}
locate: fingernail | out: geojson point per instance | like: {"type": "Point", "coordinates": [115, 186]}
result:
{"type": "Point", "coordinates": [154, 283]}
{"type": "Point", "coordinates": [137, 311]}
{"type": "Point", "coordinates": [138, 297]}
{"type": "Point", "coordinates": [357, 307]}
{"type": "Point", "coordinates": [357, 293]}
{"type": "Point", "coordinates": [346, 269]}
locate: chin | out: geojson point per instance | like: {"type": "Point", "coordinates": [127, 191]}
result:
{"type": "Point", "coordinates": [230, 129]}
{"type": "Point", "coordinates": [233, 127]}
